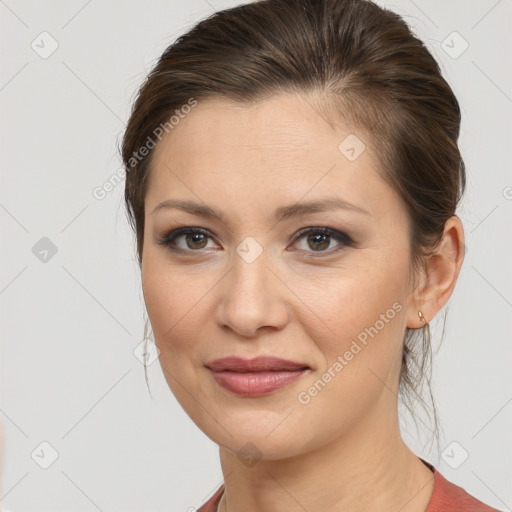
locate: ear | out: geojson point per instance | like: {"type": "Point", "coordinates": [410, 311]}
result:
{"type": "Point", "coordinates": [442, 270]}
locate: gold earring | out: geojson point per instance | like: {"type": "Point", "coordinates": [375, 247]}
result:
{"type": "Point", "coordinates": [422, 317]}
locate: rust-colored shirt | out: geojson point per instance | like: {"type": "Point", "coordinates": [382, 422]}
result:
{"type": "Point", "coordinates": [446, 497]}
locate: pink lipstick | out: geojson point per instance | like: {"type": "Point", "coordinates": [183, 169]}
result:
{"type": "Point", "coordinates": [255, 377]}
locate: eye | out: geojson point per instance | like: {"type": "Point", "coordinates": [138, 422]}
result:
{"type": "Point", "coordinates": [319, 239]}
{"type": "Point", "coordinates": [193, 239]}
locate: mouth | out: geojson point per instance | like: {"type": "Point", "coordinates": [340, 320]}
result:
{"type": "Point", "coordinates": [255, 377]}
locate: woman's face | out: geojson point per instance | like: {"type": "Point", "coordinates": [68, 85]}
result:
{"type": "Point", "coordinates": [252, 284]}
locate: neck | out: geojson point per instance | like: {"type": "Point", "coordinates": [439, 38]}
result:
{"type": "Point", "coordinates": [366, 469]}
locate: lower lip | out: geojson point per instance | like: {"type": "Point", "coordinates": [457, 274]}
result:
{"type": "Point", "coordinates": [256, 383]}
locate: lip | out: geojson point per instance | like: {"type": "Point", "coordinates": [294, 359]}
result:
{"type": "Point", "coordinates": [255, 377]}
{"type": "Point", "coordinates": [257, 364]}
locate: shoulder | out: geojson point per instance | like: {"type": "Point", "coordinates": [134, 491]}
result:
{"type": "Point", "coordinates": [212, 503]}
{"type": "Point", "coordinates": [448, 496]}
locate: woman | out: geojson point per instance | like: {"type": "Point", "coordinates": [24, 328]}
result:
{"type": "Point", "coordinates": [292, 179]}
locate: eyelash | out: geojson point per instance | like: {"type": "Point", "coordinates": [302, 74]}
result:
{"type": "Point", "coordinates": [168, 239]}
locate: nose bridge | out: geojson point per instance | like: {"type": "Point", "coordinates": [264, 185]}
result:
{"type": "Point", "coordinates": [250, 269]}
{"type": "Point", "coordinates": [251, 296]}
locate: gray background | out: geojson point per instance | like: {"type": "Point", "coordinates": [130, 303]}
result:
{"type": "Point", "coordinates": [70, 324]}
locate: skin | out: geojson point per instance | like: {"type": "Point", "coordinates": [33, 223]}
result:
{"type": "Point", "coordinates": [343, 449]}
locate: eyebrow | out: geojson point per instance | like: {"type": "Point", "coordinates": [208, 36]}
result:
{"type": "Point", "coordinates": [281, 214]}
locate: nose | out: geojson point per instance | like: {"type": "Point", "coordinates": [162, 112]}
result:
{"type": "Point", "coordinates": [253, 298]}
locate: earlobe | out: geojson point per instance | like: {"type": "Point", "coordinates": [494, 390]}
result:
{"type": "Point", "coordinates": [418, 320]}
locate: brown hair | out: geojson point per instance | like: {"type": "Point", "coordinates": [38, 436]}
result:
{"type": "Point", "coordinates": [366, 64]}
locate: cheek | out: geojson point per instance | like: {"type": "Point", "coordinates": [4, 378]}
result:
{"type": "Point", "coordinates": [173, 303]}
{"type": "Point", "coordinates": [361, 321]}
{"type": "Point", "coordinates": [158, 297]}
{"type": "Point", "coordinates": [165, 294]}
{"type": "Point", "coordinates": [361, 360]}
{"type": "Point", "coordinates": [360, 305]}
{"type": "Point", "coordinates": [175, 300]}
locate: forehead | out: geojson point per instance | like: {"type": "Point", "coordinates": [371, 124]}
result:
{"type": "Point", "coordinates": [281, 148]}
{"type": "Point", "coordinates": [268, 127]}
{"type": "Point", "coordinates": [282, 129]}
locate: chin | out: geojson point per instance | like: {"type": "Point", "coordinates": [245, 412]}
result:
{"type": "Point", "coordinates": [255, 439]}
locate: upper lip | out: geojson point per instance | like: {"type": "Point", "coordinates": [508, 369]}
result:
{"type": "Point", "coordinates": [257, 364]}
